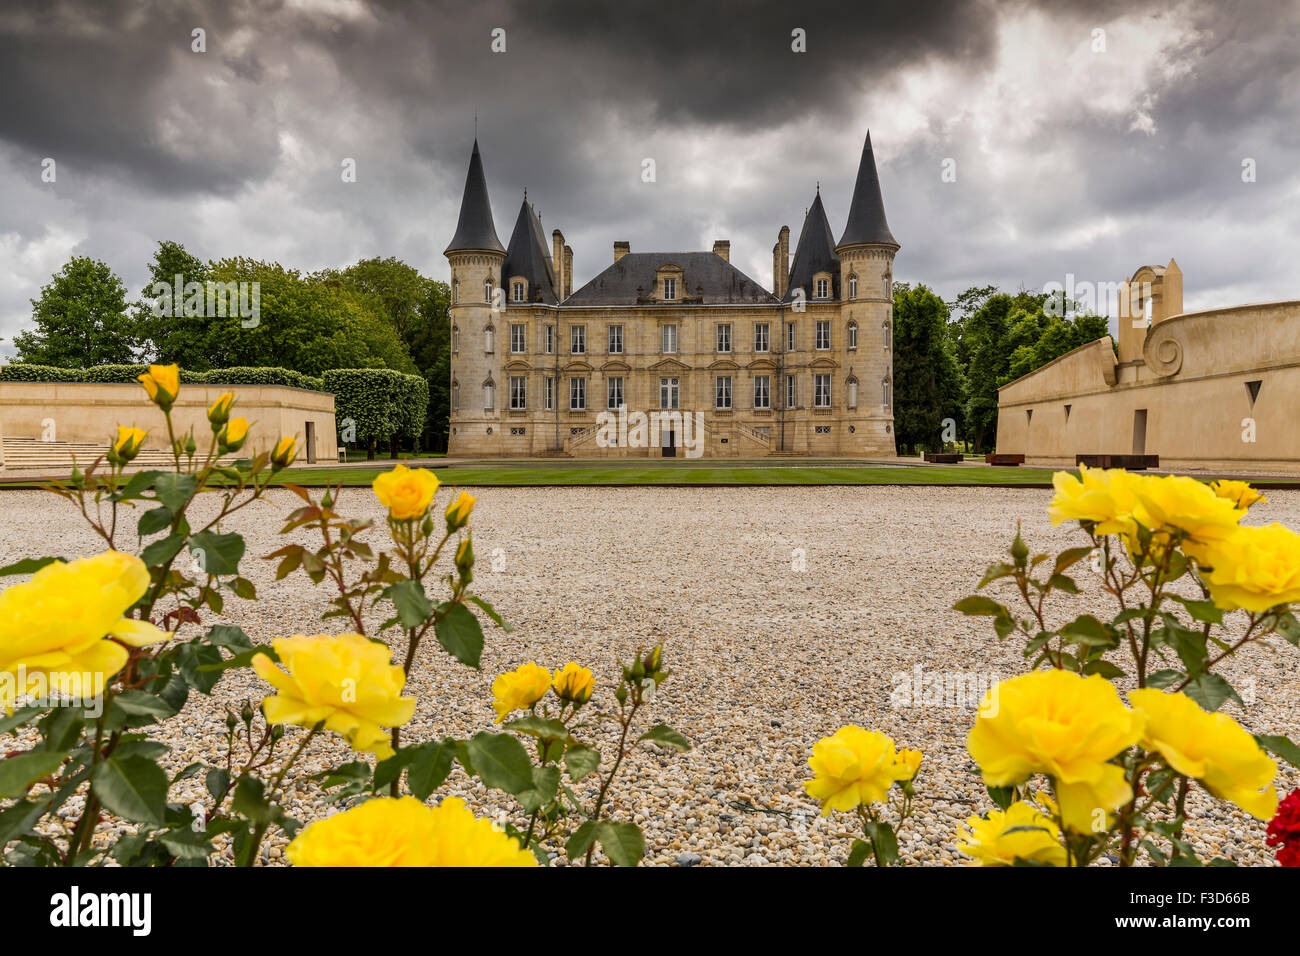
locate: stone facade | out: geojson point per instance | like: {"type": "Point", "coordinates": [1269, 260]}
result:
{"type": "Point", "coordinates": [798, 370]}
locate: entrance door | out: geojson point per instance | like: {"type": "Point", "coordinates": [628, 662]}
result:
{"type": "Point", "coordinates": [310, 441]}
{"type": "Point", "coordinates": [670, 443]}
{"type": "Point", "coordinates": [1140, 431]}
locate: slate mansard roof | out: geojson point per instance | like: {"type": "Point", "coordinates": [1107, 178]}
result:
{"type": "Point", "coordinates": [475, 229]}
{"type": "Point", "coordinates": [815, 253]}
{"type": "Point", "coordinates": [705, 276]}
{"type": "Point", "coordinates": [528, 258]}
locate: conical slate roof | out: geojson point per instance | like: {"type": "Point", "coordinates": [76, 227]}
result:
{"type": "Point", "coordinates": [867, 223]}
{"type": "Point", "coordinates": [815, 253]}
{"type": "Point", "coordinates": [528, 258]}
{"type": "Point", "coordinates": [475, 230]}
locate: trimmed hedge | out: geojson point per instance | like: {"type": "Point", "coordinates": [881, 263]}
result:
{"type": "Point", "coordinates": [128, 374]}
{"type": "Point", "coordinates": [381, 403]}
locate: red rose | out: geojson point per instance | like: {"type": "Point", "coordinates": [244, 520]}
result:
{"type": "Point", "coordinates": [1284, 830]}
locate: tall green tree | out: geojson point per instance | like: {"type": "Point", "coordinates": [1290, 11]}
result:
{"type": "Point", "coordinates": [166, 334]}
{"type": "Point", "coordinates": [81, 319]}
{"type": "Point", "coordinates": [924, 373]}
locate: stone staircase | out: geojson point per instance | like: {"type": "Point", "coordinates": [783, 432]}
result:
{"type": "Point", "coordinates": [31, 456]}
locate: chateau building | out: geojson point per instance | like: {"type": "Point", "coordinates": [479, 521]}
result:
{"type": "Point", "coordinates": [719, 365]}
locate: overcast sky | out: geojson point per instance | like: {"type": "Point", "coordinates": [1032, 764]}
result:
{"type": "Point", "coordinates": [1068, 158]}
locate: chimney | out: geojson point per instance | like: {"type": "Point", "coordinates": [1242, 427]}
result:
{"type": "Point", "coordinates": [568, 271]}
{"type": "Point", "coordinates": [621, 249]}
{"type": "Point", "coordinates": [781, 263]}
{"type": "Point", "coordinates": [722, 247]}
{"type": "Point", "coordinates": [557, 252]}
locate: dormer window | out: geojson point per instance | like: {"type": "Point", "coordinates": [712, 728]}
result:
{"type": "Point", "coordinates": [822, 286]}
{"type": "Point", "coordinates": [517, 291]}
{"type": "Point", "coordinates": [670, 289]}
{"type": "Point", "coordinates": [853, 287]}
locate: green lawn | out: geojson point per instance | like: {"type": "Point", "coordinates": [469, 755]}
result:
{"type": "Point", "coordinates": [581, 473]}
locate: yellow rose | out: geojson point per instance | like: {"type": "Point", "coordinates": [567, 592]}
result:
{"type": "Point", "coordinates": [128, 442]}
{"type": "Point", "coordinates": [59, 632]}
{"type": "Point", "coordinates": [219, 411]}
{"type": "Point", "coordinates": [1021, 832]}
{"type": "Point", "coordinates": [406, 492]}
{"type": "Point", "coordinates": [233, 435]}
{"type": "Point", "coordinates": [1254, 569]}
{"type": "Point", "coordinates": [286, 450]}
{"type": "Point", "coordinates": [1211, 748]}
{"type": "Point", "coordinates": [852, 768]}
{"type": "Point", "coordinates": [519, 689]}
{"type": "Point", "coordinates": [1240, 493]}
{"type": "Point", "coordinates": [907, 762]}
{"type": "Point", "coordinates": [1105, 497]}
{"type": "Point", "coordinates": [1179, 507]}
{"type": "Point", "coordinates": [163, 383]}
{"type": "Point", "coordinates": [458, 511]}
{"type": "Point", "coordinates": [573, 683]}
{"type": "Point", "coordinates": [343, 679]}
{"type": "Point", "coordinates": [1058, 723]}
{"type": "Point", "coordinates": [402, 831]}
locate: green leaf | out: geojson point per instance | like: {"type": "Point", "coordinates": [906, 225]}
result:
{"type": "Point", "coordinates": [1069, 557]}
{"type": "Point", "coordinates": [134, 788]}
{"type": "Point", "coordinates": [623, 843]}
{"type": "Point", "coordinates": [138, 483]}
{"type": "Point", "coordinates": [994, 573]}
{"type": "Point", "coordinates": [20, 772]}
{"type": "Point", "coordinates": [665, 735]}
{"type": "Point", "coordinates": [581, 840]}
{"type": "Point", "coordinates": [1210, 691]}
{"type": "Point", "coordinates": [217, 554]}
{"type": "Point", "coordinates": [153, 521]}
{"type": "Point", "coordinates": [1089, 632]}
{"type": "Point", "coordinates": [21, 717]}
{"type": "Point", "coordinates": [217, 782]}
{"type": "Point", "coordinates": [539, 727]}
{"type": "Point", "coordinates": [461, 635]}
{"type": "Point", "coordinates": [1165, 678]}
{"type": "Point", "coordinates": [1105, 668]}
{"type": "Point", "coordinates": [884, 841]}
{"type": "Point", "coordinates": [1002, 797]}
{"type": "Point", "coordinates": [1280, 746]}
{"type": "Point", "coordinates": [230, 637]}
{"type": "Point", "coordinates": [859, 852]}
{"type": "Point", "coordinates": [142, 708]}
{"type": "Point", "coordinates": [429, 767]}
{"type": "Point", "coordinates": [546, 782]}
{"type": "Point", "coordinates": [21, 817]}
{"type": "Point", "coordinates": [501, 762]}
{"type": "Point", "coordinates": [580, 761]}
{"type": "Point", "coordinates": [27, 566]}
{"type": "Point", "coordinates": [1205, 611]}
{"type": "Point", "coordinates": [163, 550]}
{"type": "Point", "coordinates": [491, 612]}
{"type": "Point", "coordinates": [979, 605]}
{"type": "Point", "coordinates": [175, 490]}
{"type": "Point", "coordinates": [250, 800]}
{"type": "Point", "coordinates": [191, 659]}
{"type": "Point", "coordinates": [413, 605]}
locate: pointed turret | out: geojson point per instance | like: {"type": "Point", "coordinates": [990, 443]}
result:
{"type": "Point", "coordinates": [475, 229]}
{"type": "Point", "coordinates": [867, 224]}
{"type": "Point", "coordinates": [815, 253]}
{"type": "Point", "coordinates": [527, 258]}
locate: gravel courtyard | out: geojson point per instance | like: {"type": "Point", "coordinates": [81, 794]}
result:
{"type": "Point", "coordinates": [785, 613]}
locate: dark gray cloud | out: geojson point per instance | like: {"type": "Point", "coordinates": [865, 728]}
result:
{"type": "Point", "coordinates": [1068, 160]}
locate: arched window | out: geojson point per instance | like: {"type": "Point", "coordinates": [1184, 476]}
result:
{"type": "Point", "coordinates": [455, 338]}
{"type": "Point", "coordinates": [853, 392]}
{"type": "Point", "coordinates": [889, 286]}
{"type": "Point", "coordinates": [885, 334]}
{"type": "Point", "coordinates": [884, 392]}
{"type": "Point", "coordinates": [487, 338]}
{"type": "Point", "coordinates": [853, 287]}
{"type": "Point", "coordinates": [455, 395]}
{"type": "Point", "coordinates": [853, 335]}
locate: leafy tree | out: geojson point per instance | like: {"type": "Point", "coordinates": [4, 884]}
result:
{"type": "Point", "coordinates": [166, 334]}
{"type": "Point", "coordinates": [924, 375]}
{"type": "Point", "coordinates": [81, 319]}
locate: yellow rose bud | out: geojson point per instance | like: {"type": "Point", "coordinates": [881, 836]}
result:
{"type": "Point", "coordinates": [406, 492]}
{"type": "Point", "coordinates": [402, 831]}
{"type": "Point", "coordinates": [1066, 726]}
{"type": "Point", "coordinates": [519, 689]}
{"type": "Point", "coordinates": [1021, 832]}
{"type": "Point", "coordinates": [458, 511]}
{"type": "Point", "coordinates": [219, 412]}
{"type": "Point", "coordinates": [906, 763]}
{"type": "Point", "coordinates": [852, 768]}
{"type": "Point", "coordinates": [128, 442]}
{"type": "Point", "coordinates": [1255, 569]}
{"type": "Point", "coordinates": [573, 683]}
{"type": "Point", "coordinates": [345, 680]}
{"type": "Point", "coordinates": [465, 557]}
{"type": "Point", "coordinates": [1211, 748]}
{"type": "Point", "coordinates": [233, 435]}
{"type": "Point", "coordinates": [163, 383]}
{"type": "Point", "coordinates": [64, 628]}
{"type": "Point", "coordinates": [286, 450]}
{"type": "Point", "coordinates": [1240, 493]}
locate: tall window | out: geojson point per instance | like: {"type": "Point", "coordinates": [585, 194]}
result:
{"type": "Point", "coordinates": [518, 392]}
{"type": "Point", "coordinates": [517, 291]}
{"type": "Point", "coordinates": [822, 391]}
{"type": "Point", "coordinates": [487, 290]}
{"type": "Point", "coordinates": [548, 340]}
{"type": "Point", "coordinates": [548, 393]}
{"type": "Point", "coordinates": [790, 394]}
{"type": "Point", "coordinates": [616, 340]}
{"type": "Point", "coordinates": [668, 392]}
{"type": "Point", "coordinates": [853, 287]}
{"type": "Point", "coordinates": [455, 338]}
{"type": "Point", "coordinates": [455, 291]}
{"type": "Point", "coordinates": [760, 337]}
{"type": "Point", "coordinates": [670, 288]}
{"type": "Point", "coordinates": [762, 391]}
{"type": "Point", "coordinates": [853, 392]}
{"type": "Point", "coordinates": [455, 396]}
{"type": "Point", "coordinates": [823, 289]}
{"type": "Point", "coordinates": [884, 392]}
{"type": "Point", "coordinates": [724, 337]}
{"type": "Point", "coordinates": [823, 334]}
{"type": "Point", "coordinates": [885, 329]}
{"type": "Point", "coordinates": [517, 340]}
{"type": "Point", "coordinates": [889, 286]}
{"type": "Point", "coordinates": [489, 395]}
{"type": "Point", "coordinates": [614, 391]}
{"type": "Point", "coordinates": [578, 339]}
{"type": "Point", "coordinates": [722, 392]}
{"type": "Point", "coordinates": [853, 335]}
{"type": "Point", "coordinates": [789, 336]}
{"type": "Point", "coordinates": [670, 338]}
{"type": "Point", "coordinates": [577, 394]}
{"type": "Point", "coordinates": [488, 335]}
